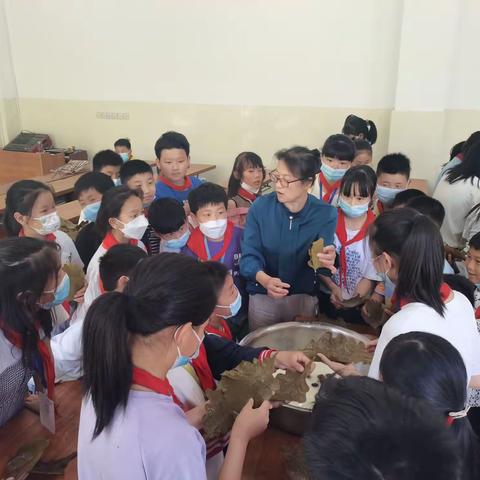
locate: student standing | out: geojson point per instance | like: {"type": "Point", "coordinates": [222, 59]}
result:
{"type": "Point", "coordinates": [109, 163]}
{"type": "Point", "coordinates": [357, 128]}
{"type": "Point", "coordinates": [124, 148]}
{"type": "Point", "coordinates": [363, 153]}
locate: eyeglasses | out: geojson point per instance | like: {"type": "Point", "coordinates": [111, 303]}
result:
{"type": "Point", "coordinates": [276, 178]}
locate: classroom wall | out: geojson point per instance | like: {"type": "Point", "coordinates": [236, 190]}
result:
{"type": "Point", "coordinates": [256, 75]}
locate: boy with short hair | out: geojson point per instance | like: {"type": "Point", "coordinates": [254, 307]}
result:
{"type": "Point", "coordinates": [168, 219]}
{"type": "Point", "coordinates": [173, 160]}
{"type": "Point", "coordinates": [109, 163]}
{"type": "Point", "coordinates": [402, 198]}
{"type": "Point", "coordinates": [124, 148]}
{"type": "Point", "coordinates": [393, 176]}
{"type": "Point", "coordinates": [472, 265]}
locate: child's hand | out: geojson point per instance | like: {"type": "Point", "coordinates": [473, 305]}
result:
{"type": "Point", "coordinates": [251, 422]}
{"type": "Point", "coordinates": [327, 258]}
{"type": "Point", "coordinates": [339, 368]}
{"type": "Point", "coordinates": [364, 288]}
{"type": "Point", "coordinates": [371, 346]}
{"type": "Point", "coordinates": [276, 288]}
{"type": "Point", "coordinates": [291, 361]}
{"type": "Point", "coordinates": [336, 296]}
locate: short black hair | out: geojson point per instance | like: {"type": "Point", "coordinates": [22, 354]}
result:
{"type": "Point", "coordinates": [207, 193]}
{"type": "Point", "coordinates": [218, 273]}
{"type": "Point", "coordinates": [171, 140]}
{"type": "Point", "coordinates": [361, 175]}
{"type": "Point", "coordinates": [123, 142]}
{"type": "Point", "coordinates": [119, 261]}
{"type": "Point", "coordinates": [361, 144]}
{"type": "Point", "coordinates": [401, 198]}
{"type": "Point", "coordinates": [461, 284]}
{"type": "Point", "coordinates": [105, 158]}
{"type": "Point", "coordinates": [394, 163]}
{"type": "Point", "coordinates": [96, 180]}
{"type": "Point", "coordinates": [456, 149]}
{"type": "Point", "coordinates": [166, 215]}
{"type": "Point", "coordinates": [132, 168]}
{"type": "Point", "coordinates": [301, 161]}
{"type": "Point", "coordinates": [430, 207]}
{"type": "Point", "coordinates": [361, 429]}
{"type": "Point", "coordinates": [475, 241]}
{"type": "Point", "coordinates": [339, 146]}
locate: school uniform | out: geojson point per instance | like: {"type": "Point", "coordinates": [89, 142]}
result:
{"type": "Point", "coordinates": [167, 189]}
{"type": "Point", "coordinates": [243, 201]}
{"type": "Point", "coordinates": [328, 192]}
{"type": "Point", "coordinates": [472, 226]}
{"type": "Point", "coordinates": [67, 353]}
{"type": "Point", "coordinates": [151, 241]}
{"type": "Point", "coordinates": [449, 165]}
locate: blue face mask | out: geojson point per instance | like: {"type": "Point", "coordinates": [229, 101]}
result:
{"type": "Point", "coordinates": [352, 211]}
{"type": "Point", "coordinates": [333, 174]}
{"type": "Point", "coordinates": [386, 195]}
{"type": "Point", "coordinates": [233, 307]}
{"type": "Point", "coordinates": [183, 360]}
{"type": "Point", "coordinates": [125, 156]}
{"type": "Point", "coordinates": [117, 182]}
{"type": "Point", "coordinates": [61, 293]}
{"type": "Point", "coordinates": [178, 243]}
{"type": "Point", "coordinates": [90, 211]}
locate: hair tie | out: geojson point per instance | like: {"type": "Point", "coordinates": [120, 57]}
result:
{"type": "Point", "coordinates": [452, 416]}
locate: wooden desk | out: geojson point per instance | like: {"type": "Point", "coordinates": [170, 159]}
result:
{"type": "Point", "coordinates": [419, 184]}
{"type": "Point", "coordinates": [69, 211]}
{"type": "Point", "coordinates": [195, 168]}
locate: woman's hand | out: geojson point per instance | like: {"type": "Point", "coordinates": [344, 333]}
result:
{"type": "Point", "coordinates": [327, 258]}
{"type": "Point", "coordinates": [339, 368]}
{"type": "Point", "coordinates": [295, 361]}
{"type": "Point", "coordinates": [251, 422]}
{"type": "Point", "coordinates": [276, 288]}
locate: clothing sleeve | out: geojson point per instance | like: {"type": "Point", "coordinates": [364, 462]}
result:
{"type": "Point", "coordinates": [67, 353]}
{"type": "Point", "coordinates": [388, 333]}
{"type": "Point", "coordinates": [69, 251]}
{"type": "Point", "coordinates": [472, 226]}
{"type": "Point", "coordinates": [328, 235]}
{"type": "Point", "coordinates": [370, 271]}
{"type": "Point", "coordinates": [252, 260]}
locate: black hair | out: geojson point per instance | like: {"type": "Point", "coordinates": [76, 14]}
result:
{"type": "Point", "coordinates": [428, 367]}
{"type": "Point", "coordinates": [26, 266]}
{"type": "Point", "coordinates": [21, 198]}
{"type": "Point", "coordinates": [166, 215]}
{"type": "Point", "coordinates": [361, 429]}
{"type": "Point", "coordinates": [123, 142]}
{"type": "Point", "coordinates": [403, 197]}
{"type": "Point", "coordinates": [461, 284]}
{"type": "Point", "coordinates": [106, 158]}
{"type": "Point", "coordinates": [244, 161]}
{"type": "Point", "coordinates": [170, 140]}
{"type": "Point", "coordinates": [363, 176]}
{"type": "Point", "coordinates": [457, 149]}
{"type": "Point", "coordinates": [394, 163]}
{"type": "Point", "coordinates": [474, 242]}
{"type": "Point", "coordinates": [218, 273]}
{"type": "Point", "coordinates": [132, 168]}
{"type": "Point", "coordinates": [302, 162]}
{"type": "Point", "coordinates": [399, 233]}
{"type": "Point", "coordinates": [111, 206]}
{"type": "Point", "coordinates": [430, 207]}
{"type": "Point", "coordinates": [361, 145]}
{"type": "Point", "coordinates": [96, 180]}
{"type": "Point", "coordinates": [119, 261]}
{"type": "Point", "coordinates": [471, 140]}
{"type": "Point", "coordinates": [165, 290]}
{"type": "Point", "coordinates": [355, 126]}
{"type": "Point", "coordinates": [339, 146]}
{"type": "Point", "coordinates": [468, 168]}
{"type": "Point", "coordinates": [207, 193]}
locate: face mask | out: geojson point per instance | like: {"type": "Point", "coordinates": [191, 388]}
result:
{"type": "Point", "coordinates": [333, 174]}
{"type": "Point", "coordinates": [125, 156]}
{"type": "Point", "coordinates": [61, 293]}
{"type": "Point", "coordinates": [183, 359]}
{"type": "Point", "coordinates": [248, 188]}
{"type": "Point", "coordinates": [90, 211]}
{"type": "Point", "coordinates": [234, 307]}
{"type": "Point", "coordinates": [49, 223]}
{"type": "Point", "coordinates": [117, 182]}
{"type": "Point", "coordinates": [214, 228]}
{"type": "Point", "coordinates": [136, 228]}
{"type": "Point", "coordinates": [179, 242]}
{"type": "Point", "coordinates": [352, 211]}
{"type": "Point", "coordinates": [387, 195]}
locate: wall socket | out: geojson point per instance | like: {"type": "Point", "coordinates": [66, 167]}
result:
{"type": "Point", "coordinates": [113, 116]}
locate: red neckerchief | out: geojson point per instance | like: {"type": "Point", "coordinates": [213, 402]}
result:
{"type": "Point", "coordinates": [327, 188]}
{"type": "Point", "coordinates": [342, 237]}
{"type": "Point", "coordinates": [45, 353]}
{"type": "Point", "coordinates": [203, 370]}
{"type": "Point", "coordinates": [110, 241]}
{"type": "Point", "coordinates": [49, 237]}
{"type": "Point", "coordinates": [246, 195]}
{"type": "Point", "coordinates": [159, 385]}
{"type": "Point", "coordinates": [196, 243]}
{"type": "Point", "coordinates": [445, 292]}
{"type": "Point", "coordinates": [187, 184]}
{"type": "Point", "coordinates": [477, 313]}
{"type": "Point", "coordinates": [380, 207]}
{"type": "Point", "coordinates": [224, 330]}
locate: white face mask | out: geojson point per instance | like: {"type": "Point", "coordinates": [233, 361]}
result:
{"type": "Point", "coordinates": [248, 188]}
{"type": "Point", "coordinates": [214, 228]}
{"type": "Point", "coordinates": [136, 228]}
{"type": "Point", "coordinates": [49, 223]}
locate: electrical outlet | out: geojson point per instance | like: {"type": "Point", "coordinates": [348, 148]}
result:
{"type": "Point", "coordinates": [113, 115]}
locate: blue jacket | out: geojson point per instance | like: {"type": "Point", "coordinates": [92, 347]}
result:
{"type": "Point", "coordinates": [164, 191]}
{"type": "Point", "coordinates": [277, 241]}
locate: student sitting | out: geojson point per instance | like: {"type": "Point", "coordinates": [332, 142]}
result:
{"type": "Point", "coordinates": [173, 161]}
{"type": "Point", "coordinates": [124, 148]}
{"type": "Point", "coordinates": [109, 163]}
{"type": "Point", "coordinates": [402, 198]}
{"type": "Point", "coordinates": [393, 176]}
{"type": "Point", "coordinates": [138, 175]}
{"type": "Point", "coordinates": [363, 153]}
{"type": "Point", "coordinates": [89, 189]}
{"type": "Point", "coordinates": [364, 430]}
{"type": "Point", "coordinates": [338, 153]}
{"type": "Point", "coordinates": [115, 268]}
{"type": "Point", "coordinates": [357, 128]}
{"type": "Point", "coordinates": [215, 238]}
{"type": "Point", "coordinates": [169, 222]}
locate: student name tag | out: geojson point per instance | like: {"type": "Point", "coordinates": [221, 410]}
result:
{"type": "Point", "coordinates": [47, 412]}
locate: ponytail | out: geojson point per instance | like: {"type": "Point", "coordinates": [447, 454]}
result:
{"type": "Point", "coordinates": [355, 126]}
{"type": "Point", "coordinates": [372, 132]}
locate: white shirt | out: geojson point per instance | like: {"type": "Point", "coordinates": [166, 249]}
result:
{"type": "Point", "coordinates": [458, 199]}
{"type": "Point", "coordinates": [458, 326]}
{"type": "Point", "coordinates": [67, 353]}
{"type": "Point", "coordinates": [68, 250]}
{"type": "Point", "coordinates": [316, 191]}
